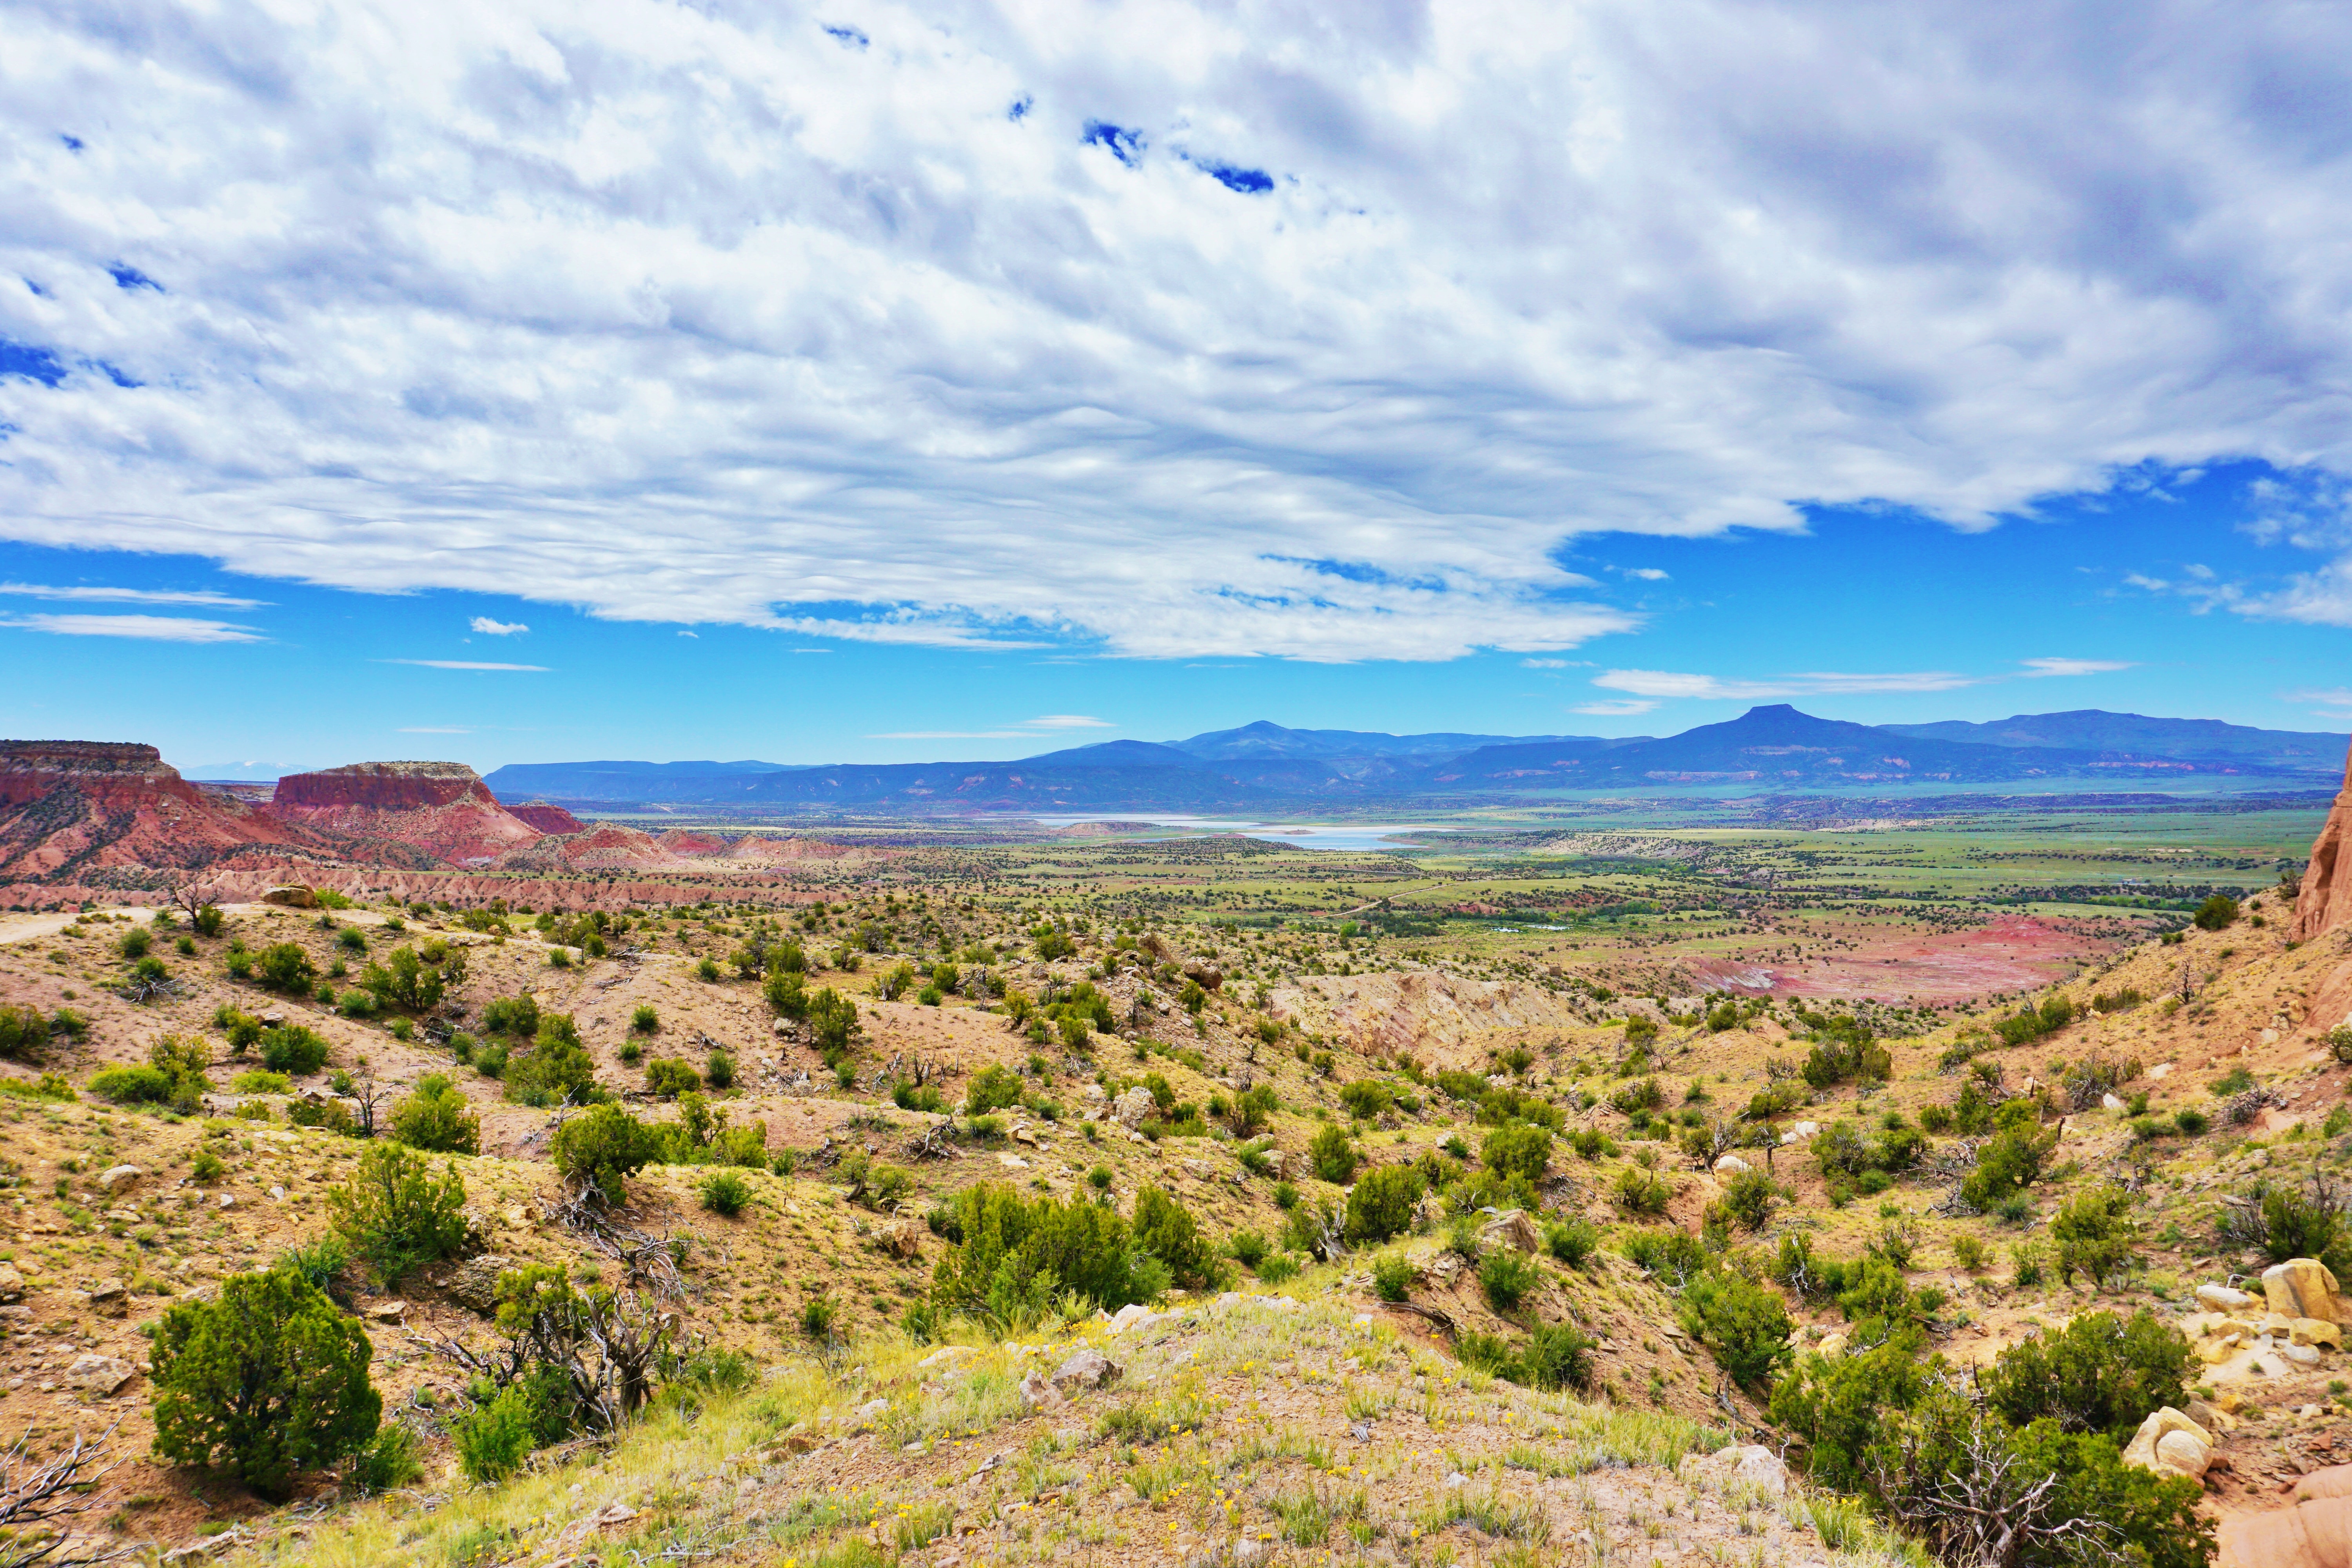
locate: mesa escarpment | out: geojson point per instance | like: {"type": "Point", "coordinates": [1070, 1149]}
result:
{"type": "Point", "coordinates": [442, 808]}
{"type": "Point", "coordinates": [68, 807]}
{"type": "Point", "coordinates": [2325, 898]}
{"type": "Point", "coordinates": [547, 817]}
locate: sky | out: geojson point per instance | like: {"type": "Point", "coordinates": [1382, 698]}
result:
{"type": "Point", "coordinates": [614, 379]}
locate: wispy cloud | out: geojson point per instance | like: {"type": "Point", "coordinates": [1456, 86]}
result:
{"type": "Point", "coordinates": [148, 628]}
{"type": "Point", "coordinates": [464, 664]}
{"type": "Point", "coordinates": [1618, 707]}
{"type": "Point", "coordinates": [1665, 683]}
{"type": "Point", "coordinates": [1543, 664]}
{"type": "Point", "coordinates": [1066, 722]}
{"type": "Point", "coordinates": [2037, 668]}
{"type": "Point", "coordinates": [203, 597]}
{"type": "Point", "coordinates": [490, 629]}
{"type": "Point", "coordinates": [1035, 729]}
{"type": "Point", "coordinates": [2336, 701]}
{"type": "Point", "coordinates": [1335, 416]}
{"type": "Point", "coordinates": [1645, 574]}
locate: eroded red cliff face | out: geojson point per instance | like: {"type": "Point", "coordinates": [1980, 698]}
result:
{"type": "Point", "coordinates": [72, 807]}
{"type": "Point", "coordinates": [2324, 900]}
{"type": "Point", "coordinates": [442, 808]}
{"type": "Point", "coordinates": [548, 819]}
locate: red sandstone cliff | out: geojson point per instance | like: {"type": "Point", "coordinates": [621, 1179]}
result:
{"type": "Point", "coordinates": [442, 808]}
{"type": "Point", "coordinates": [2325, 901]}
{"type": "Point", "coordinates": [548, 819]}
{"type": "Point", "coordinates": [72, 807]}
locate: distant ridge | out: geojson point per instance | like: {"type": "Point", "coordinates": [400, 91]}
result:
{"type": "Point", "coordinates": [1263, 766]}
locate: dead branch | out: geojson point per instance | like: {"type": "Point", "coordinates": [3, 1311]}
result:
{"type": "Point", "coordinates": [34, 1499]}
{"type": "Point", "coordinates": [1443, 1320]}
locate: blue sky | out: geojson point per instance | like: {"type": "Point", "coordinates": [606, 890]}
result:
{"type": "Point", "coordinates": [1858, 618]}
{"type": "Point", "coordinates": [968, 378]}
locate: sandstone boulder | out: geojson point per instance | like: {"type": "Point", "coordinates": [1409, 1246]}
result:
{"type": "Point", "coordinates": [2221, 1299]}
{"type": "Point", "coordinates": [1132, 1107]}
{"type": "Point", "coordinates": [1746, 1464]}
{"type": "Point", "coordinates": [1036, 1393]}
{"type": "Point", "coordinates": [1205, 975]}
{"type": "Point", "coordinates": [1086, 1368]}
{"type": "Point", "coordinates": [900, 1238]}
{"type": "Point", "coordinates": [2311, 1332]}
{"type": "Point", "coordinates": [2170, 1444]}
{"type": "Point", "coordinates": [1512, 1228]}
{"type": "Point", "coordinates": [2302, 1288]}
{"type": "Point", "coordinates": [12, 1285]}
{"type": "Point", "coordinates": [473, 1284]}
{"type": "Point", "coordinates": [293, 898]}
{"type": "Point", "coordinates": [2335, 1480]}
{"type": "Point", "coordinates": [1731, 1165]}
{"type": "Point", "coordinates": [120, 1178]}
{"type": "Point", "coordinates": [100, 1375]}
{"type": "Point", "coordinates": [2316, 1535]}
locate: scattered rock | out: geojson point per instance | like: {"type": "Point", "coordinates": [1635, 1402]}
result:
{"type": "Point", "coordinates": [107, 1291]}
{"type": "Point", "coordinates": [944, 1353]}
{"type": "Point", "coordinates": [1131, 1108]}
{"type": "Point", "coordinates": [2221, 1299]}
{"type": "Point", "coordinates": [2112, 1102]}
{"type": "Point", "coordinates": [1134, 1315]}
{"type": "Point", "coordinates": [120, 1178]}
{"type": "Point", "coordinates": [901, 1238]}
{"type": "Point", "coordinates": [11, 1284]}
{"type": "Point", "coordinates": [1205, 975]}
{"type": "Point", "coordinates": [2302, 1288]}
{"type": "Point", "coordinates": [1748, 1464]}
{"type": "Point", "coordinates": [1023, 1134]}
{"type": "Point", "coordinates": [100, 1375]}
{"type": "Point", "coordinates": [2169, 1442]}
{"type": "Point", "coordinates": [1036, 1393]}
{"type": "Point", "coordinates": [1086, 1368]}
{"type": "Point", "coordinates": [388, 1312]}
{"type": "Point", "coordinates": [293, 897]}
{"type": "Point", "coordinates": [475, 1284]}
{"type": "Point", "coordinates": [1512, 1228]}
{"type": "Point", "coordinates": [612, 1516]}
{"type": "Point", "coordinates": [2311, 1332]}
{"type": "Point", "coordinates": [1731, 1165]}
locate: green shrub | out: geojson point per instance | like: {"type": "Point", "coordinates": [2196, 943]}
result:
{"type": "Point", "coordinates": [2011, 1158]}
{"type": "Point", "coordinates": [724, 1193]}
{"type": "Point", "coordinates": [133, 1085]}
{"type": "Point", "coordinates": [1572, 1241]}
{"type": "Point", "coordinates": [1743, 1326]}
{"type": "Point", "coordinates": [2095, 1231]}
{"type": "Point", "coordinates": [1165, 1230]}
{"type": "Point", "coordinates": [391, 1460]}
{"type": "Point", "coordinates": [1366, 1098]}
{"type": "Point", "coordinates": [2218, 913]}
{"type": "Point", "coordinates": [1249, 1249]}
{"type": "Point", "coordinates": [1746, 1201]}
{"type": "Point", "coordinates": [493, 1440]}
{"type": "Point", "coordinates": [1641, 1192]}
{"type": "Point", "coordinates": [2192, 1123]}
{"type": "Point", "coordinates": [1517, 1150]}
{"type": "Point", "coordinates": [1381, 1204]}
{"type": "Point", "coordinates": [1332, 1156]}
{"type": "Point", "coordinates": [1508, 1277]}
{"type": "Point", "coordinates": [558, 1069]}
{"type": "Point", "coordinates": [2098, 1373]}
{"type": "Point", "coordinates": [514, 1015]}
{"type": "Point", "coordinates": [602, 1148]}
{"type": "Point", "coordinates": [993, 1088]}
{"type": "Point", "coordinates": [254, 1080]}
{"type": "Point", "coordinates": [1558, 1356]}
{"type": "Point", "coordinates": [437, 1118]}
{"type": "Point", "coordinates": [1393, 1277]}
{"type": "Point", "coordinates": [1012, 1254]}
{"type": "Point", "coordinates": [720, 1070]}
{"type": "Point", "coordinates": [285, 967]}
{"type": "Point", "coordinates": [268, 1379]}
{"type": "Point", "coordinates": [292, 1050]}
{"type": "Point", "coordinates": [1277, 1268]}
{"type": "Point", "coordinates": [394, 1214]}
{"type": "Point", "coordinates": [206, 1167]}
{"type": "Point", "coordinates": [668, 1076]}
{"type": "Point", "coordinates": [645, 1020]}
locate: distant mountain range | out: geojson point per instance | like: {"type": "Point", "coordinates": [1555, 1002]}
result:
{"type": "Point", "coordinates": [1263, 766]}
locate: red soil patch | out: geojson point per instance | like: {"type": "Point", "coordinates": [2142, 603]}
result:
{"type": "Point", "coordinates": [2009, 953]}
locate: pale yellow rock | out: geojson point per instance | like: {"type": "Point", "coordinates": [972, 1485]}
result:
{"type": "Point", "coordinates": [2170, 1443]}
{"type": "Point", "coordinates": [2302, 1288]}
{"type": "Point", "coordinates": [2311, 1332]}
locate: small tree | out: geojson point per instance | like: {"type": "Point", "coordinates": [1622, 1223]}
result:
{"type": "Point", "coordinates": [2217, 913]}
{"type": "Point", "coordinates": [993, 1088]}
{"type": "Point", "coordinates": [602, 1148]}
{"type": "Point", "coordinates": [1517, 1150]}
{"type": "Point", "coordinates": [437, 1118]}
{"type": "Point", "coordinates": [392, 1212]}
{"type": "Point", "coordinates": [269, 1378]}
{"type": "Point", "coordinates": [558, 1070]}
{"type": "Point", "coordinates": [667, 1077]}
{"type": "Point", "coordinates": [1332, 1156]}
{"type": "Point", "coordinates": [284, 967]}
{"type": "Point", "coordinates": [1381, 1206]}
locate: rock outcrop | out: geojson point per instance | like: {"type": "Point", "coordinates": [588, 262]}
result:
{"type": "Point", "coordinates": [2325, 898]}
{"type": "Point", "coordinates": [442, 808]}
{"type": "Point", "coordinates": [2170, 1444]}
{"type": "Point", "coordinates": [72, 807]}
{"type": "Point", "coordinates": [547, 818]}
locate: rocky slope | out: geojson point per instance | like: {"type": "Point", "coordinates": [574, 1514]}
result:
{"type": "Point", "coordinates": [547, 818]}
{"type": "Point", "coordinates": [2325, 900]}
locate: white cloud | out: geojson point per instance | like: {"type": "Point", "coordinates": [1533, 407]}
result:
{"type": "Point", "coordinates": [1665, 683]}
{"type": "Point", "coordinates": [490, 629]}
{"type": "Point", "coordinates": [688, 312]}
{"type": "Point", "coordinates": [2037, 668]}
{"type": "Point", "coordinates": [149, 628]}
{"type": "Point", "coordinates": [1066, 722]}
{"type": "Point", "coordinates": [1646, 573]}
{"type": "Point", "coordinates": [463, 664]}
{"type": "Point", "coordinates": [131, 596]}
{"type": "Point", "coordinates": [954, 735]}
{"type": "Point", "coordinates": [1544, 663]}
{"type": "Point", "coordinates": [2335, 700]}
{"type": "Point", "coordinates": [696, 636]}
{"type": "Point", "coordinates": [1621, 708]}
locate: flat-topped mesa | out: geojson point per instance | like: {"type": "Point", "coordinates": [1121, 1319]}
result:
{"type": "Point", "coordinates": [31, 769]}
{"type": "Point", "coordinates": [383, 786]}
{"type": "Point", "coordinates": [441, 808]}
{"type": "Point", "coordinates": [2324, 902]}
{"type": "Point", "coordinates": [547, 818]}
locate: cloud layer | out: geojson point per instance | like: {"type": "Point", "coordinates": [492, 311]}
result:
{"type": "Point", "coordinates": [1254, 329]}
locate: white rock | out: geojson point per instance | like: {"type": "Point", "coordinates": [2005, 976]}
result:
{"type": "Point", "coordinates": [2110, 1102]}
{"type": "Point", "coordinates": [1748, 1465]}
{"type": "Point", "coordinates": [2221, 1299]}
{"type": "Point", "coordinates": [1732, 1164]}
{"type": "Point", "coordinates": [118, 1178]}
{"type": "Point", "coordinates": [100, 1375]}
